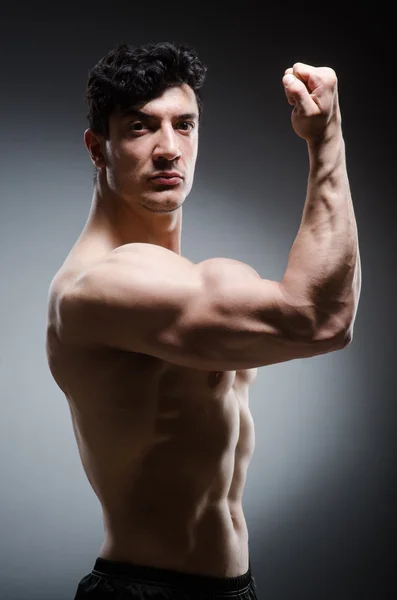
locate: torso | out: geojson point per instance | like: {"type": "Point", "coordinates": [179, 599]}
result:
{"type": "Point", "coordinates": [165, 448]}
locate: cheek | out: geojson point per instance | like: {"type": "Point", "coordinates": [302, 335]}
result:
{"type": "Point", "coordinates": [128, 160]}
{"type": "Point", "coordinates": [191, 160]}
{"type": "Point", "coordinates": [194, 151]}
{"type": "Point", "coordinates": [122, 153]}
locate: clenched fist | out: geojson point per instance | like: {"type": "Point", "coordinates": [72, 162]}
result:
{"type": "Point", "coordinates": [313, 92]}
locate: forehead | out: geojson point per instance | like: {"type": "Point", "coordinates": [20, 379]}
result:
{"type": "Point", "coordinates": [172, 102]}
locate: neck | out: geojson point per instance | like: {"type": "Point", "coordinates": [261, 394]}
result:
{"type": "Point", "coordinates": [121, 222]}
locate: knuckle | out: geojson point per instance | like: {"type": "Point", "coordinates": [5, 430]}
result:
{"type": "Point", "coordinates": [330, 71]}
{"type": "Point", "coordinates": [330, 76]}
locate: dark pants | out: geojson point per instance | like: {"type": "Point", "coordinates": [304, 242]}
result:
{"type": "Point", "coordinates": [126, 581]}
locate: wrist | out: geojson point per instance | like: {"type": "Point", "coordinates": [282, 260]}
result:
{"type": "Point", "coordinates": [328, 150]}
{"type": "Point", "coordinates": [332, 134]}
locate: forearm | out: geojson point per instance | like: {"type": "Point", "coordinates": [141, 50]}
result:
{"type": "Point", "coordinates": [323, 272]}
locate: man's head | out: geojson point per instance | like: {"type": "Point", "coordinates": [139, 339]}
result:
{"type": "Point", "coordinates": [159, 80]}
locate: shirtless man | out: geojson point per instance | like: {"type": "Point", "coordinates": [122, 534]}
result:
{"type": "Point", "coordinates": [155, 354]}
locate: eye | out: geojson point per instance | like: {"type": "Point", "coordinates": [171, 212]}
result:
{"type": "Point", "coordinates": [133, 126]}
{"type": "Point", "coordinates": [136, 123]}
{"type": "Point", "coordinates": [188, 123]}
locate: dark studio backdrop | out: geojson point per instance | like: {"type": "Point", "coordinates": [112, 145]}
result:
{"type": "Point", "coordinates": [318, 499]}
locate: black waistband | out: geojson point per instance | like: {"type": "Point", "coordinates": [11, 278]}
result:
{"type": "Point", "coordinates": [166, 577]}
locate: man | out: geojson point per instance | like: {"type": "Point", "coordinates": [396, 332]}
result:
{"type": "Point", "coordinates": [156, 354]}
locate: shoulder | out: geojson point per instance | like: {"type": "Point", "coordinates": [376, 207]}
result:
{"type": "Point", "coordinates": [62, 281]}
{"type": "Point", "coordinates": [131, 275]}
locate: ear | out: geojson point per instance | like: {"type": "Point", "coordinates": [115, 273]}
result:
{"type": "Point", "coordinates": [93, 143]}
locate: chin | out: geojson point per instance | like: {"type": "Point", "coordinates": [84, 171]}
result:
{"type": "Point", "coordinates": [164, 204]}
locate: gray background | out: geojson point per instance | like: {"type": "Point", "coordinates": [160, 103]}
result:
{"type": "Point", "coordinates": [318, 498]}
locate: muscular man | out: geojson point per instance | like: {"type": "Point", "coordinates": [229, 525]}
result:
{"type": "Point", "coordinates": [155, 354]}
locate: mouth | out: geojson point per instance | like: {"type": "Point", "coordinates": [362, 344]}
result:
{"type": "Point", "coordinates": [167, 180]}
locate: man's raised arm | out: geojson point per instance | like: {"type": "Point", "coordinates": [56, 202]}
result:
{"type": "Point", "coordinates": [324, 262]}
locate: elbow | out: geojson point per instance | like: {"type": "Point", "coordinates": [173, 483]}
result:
{"type": "Point", "coordinates": [333, 339]}
{"type": "Point", "coordinates": [348, 336]}
{"type": "Point", "coordinates": [343, 338]}
{"type": "Point", "coordinates": [336, 328]}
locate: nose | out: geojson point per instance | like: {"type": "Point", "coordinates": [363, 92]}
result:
{"type": "Point", "coordinates": [167, 147]}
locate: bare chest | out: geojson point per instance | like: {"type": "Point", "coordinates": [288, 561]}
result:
{"type": "Point", "coordinates": [125, 396]}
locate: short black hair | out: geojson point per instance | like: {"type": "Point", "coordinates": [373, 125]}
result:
{"type": "Point", "coordinates": [129, 76]}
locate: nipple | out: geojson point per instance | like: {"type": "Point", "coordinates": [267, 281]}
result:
{"type": "Point", "coordinates": [214, 378]}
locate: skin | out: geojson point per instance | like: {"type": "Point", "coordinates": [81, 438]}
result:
{"type": "Point", "coordinates": [162, 422]}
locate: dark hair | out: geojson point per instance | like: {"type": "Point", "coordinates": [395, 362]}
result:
{"type": "Point", "coordinates": [129, 76]}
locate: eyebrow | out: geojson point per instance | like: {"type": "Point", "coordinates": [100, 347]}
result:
{"type": "Point", "coordinates": [133, 112]}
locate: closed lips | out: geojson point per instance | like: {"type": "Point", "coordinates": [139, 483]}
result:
{"type": "Point", "coordinates": [166, 175]}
